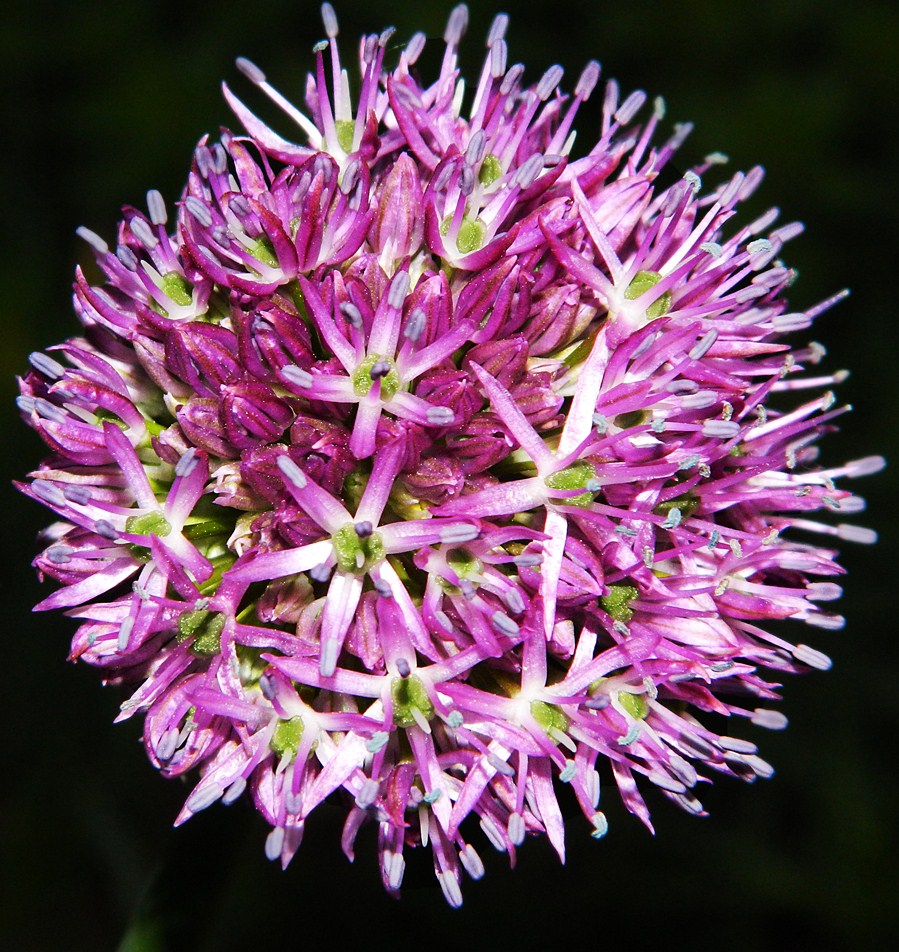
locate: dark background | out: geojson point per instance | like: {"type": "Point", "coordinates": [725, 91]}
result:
{"type": "Point", "coordinates": [102, 101]}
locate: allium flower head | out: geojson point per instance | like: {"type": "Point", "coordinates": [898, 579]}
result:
{"type": "Point", "coordinates": [410, 461]}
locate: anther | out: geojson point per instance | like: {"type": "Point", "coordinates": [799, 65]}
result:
{"type": "Point", "coordinates": [548, 82]}
{"type": "Point", "coordinates": [234, 791]}
{"type": "Point", "coordinates": [104, 528]}
{"type": "Point", "coordinates": [291, 471]}
{"type": "Point", "coordinates": [511, 78]}
{"type": "Point", "coordinates": [321, 572]}
{"type": "Point", "coordinates": [351, 313]}
{"type": "Point", "coordinates": [253, 73]}
{"type": "Point", "coordinates": [630, 107]}
{"type": "Point", "coordinates": [588, 80]}
{"type": "Point", "coordinates": [141, 230]}
{"type": "Point", "coordinates": [402, 667]}
{"type": "Point", "coordinates": [504, 625]}
{"type": "Point", "coordinates": [812, 657]}
{"type": "Point", "coordinates": [498, 56]}
{"type": "Point", "coordinates": [399, 288]}
{"type": "Point", "coordinates": [694, 182]}
{"type": "Point", "coordinates": [367, 794]}
{"type": "Point", "coordinates": [297, 376]}
{"type": "Point", "coordinates": [92, 238]}
{"type": "Point", "coordinates": [48, 492]}
{"type": "Point", "coordinates": [46, 365]}
{"type": "Point", "coordinates": [363, 529]}
{"type": "Point", "coordinates": [59, 554]}
{"type": "Point", "coordinates": [186, 464]}
{"type": "Point", "coordinates": [80, 495]}
{"type": "Point", "coordinates": [497, 28]}
{"type": "Point", "coordinates": [329, 18]}
{"type": "Point", "coordinates": [198, 210]}
{"type": "Point", "coordinates": [127, 257]}
{"type": "Point", "coordinates": [440, 416]}
{"type": "Point", "coordinates": [415, 325]}
{"type": "Point", "coordinates": [350, 176]}
{"type": "Point", "coordinates": [379, 369]}
{"type": "Point", "coordinates": [377, 741]}
{"type": "Point", "coordinates": [383, 588]}
{"type": "Point", "coordinates": [501, 766]}
{"type": "Point", "coordinates": [456, 25]}
{"type": "Point", "coordinates": [458, 534]}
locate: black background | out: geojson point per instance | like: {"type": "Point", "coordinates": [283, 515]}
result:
{"type": "Point", "coordinates": [102, 101]}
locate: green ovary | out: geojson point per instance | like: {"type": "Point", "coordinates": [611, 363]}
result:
{"type": "Point", "coordinates": [151, 523]}
{"type": "Point", "coordinates": [618, 602]}
{"type": "Point", "coordinates": [490, 171]}
{"type": "Point", "coordinates": [263, 251]}
{"type": "Point", "coordinates": [176, 288]}
{"type": "Point", "coordinates": [471, 233]}
{"type": "Point", "coordinates": [287, 736]}
{"type": "Point", "coordinates": [549, 717]}
{"type": "Point", "coordinates": [356, 553]}
{"type": "Point", "coordinates": [635, 704]}
{"type": "Point", "coordinates": [205, 628]}
{"type": "Point", "coordinates": [407, 694]}
{"type": "Point", "coordinates": [345, 130]}
{"type": "Point", "coordinates": [643, 281]}
{"type": "Point", "coordinates": [575, 476]}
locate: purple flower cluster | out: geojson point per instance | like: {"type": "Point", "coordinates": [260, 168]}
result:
{"type": "Point", "coordinates": [427, 465]}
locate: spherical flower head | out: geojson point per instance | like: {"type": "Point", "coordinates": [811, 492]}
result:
{"type": "Point", "coordinates": [419, 464]}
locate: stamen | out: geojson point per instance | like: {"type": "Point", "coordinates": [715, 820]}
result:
{"type": "Point", "coordinates": [274, 843]}
{"type": "Point", "coordinates": [500, 765]}
{"type": "Point", "coordinates": [92, 238]}
{"type": "Point", "coordinates": [459, 534]}
{"type": "Point", "coordinates": [471, 861]}
{"type": "Point", "coordinates": [456, 25]}
{"type": "Point", "coordinates": [156, 207]}
{"type": "Point", "coordinates": [497, 28]}
{"type": "Point", "coordinates": [380, 368]}
{"type": "Point", "coordinates": [291, 471]}
{"type": "Point", "coordinates": [440, 416]}
{"type": "Point", "coordinates": [234, 791]}
{"type": "Point", "coordinates": [771, 720]}
{"type": "Point", "coordinates": [363, 529]}
{"type": "Point", "coordinates": [351, 313]}
{"type": "Point", "coordinates": [203, 798]}
{"type": "Point", "coordinates": [548, 82]}
{"type": "Point", "coordinates": [588, 80]}
{"type": "Point", "coordinates": [297, 376]}
{"type": "Point", "coordinates": [59, 554]}
{"type": "Point", "coordinates": [415, 325]}
{"type": "Point", "coordinates": [630, 107]}
{"type": "Point", "coordinates": [253, 73]}
{"type": "Point", "coordinates": [399, 288]}
{"type": "Point", "coordinates": [198, 210]}
{"type": "Point", "coordinates": [368, 794]}
{"type": "Point", "coordinates": [127, 257]}
{"type": "Point", "coordinates": [600, 825]}
{"type": "Point", "coordinates": [141, 230]}
{"type": "Point", "coordinates": [504, 624]}
{"type": "Point", "coordinates": [812, 657]}
{"type": "Point", "coordinates": [187, 463]}
{"type": "Point", "coordinates": [516, 828]}
{"type": "Point", "coordinates": [329, 18]}
{"type": "Point", "coordinates": [377, 741]}
{"type": "Point", "coordinates": [383, 588]}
